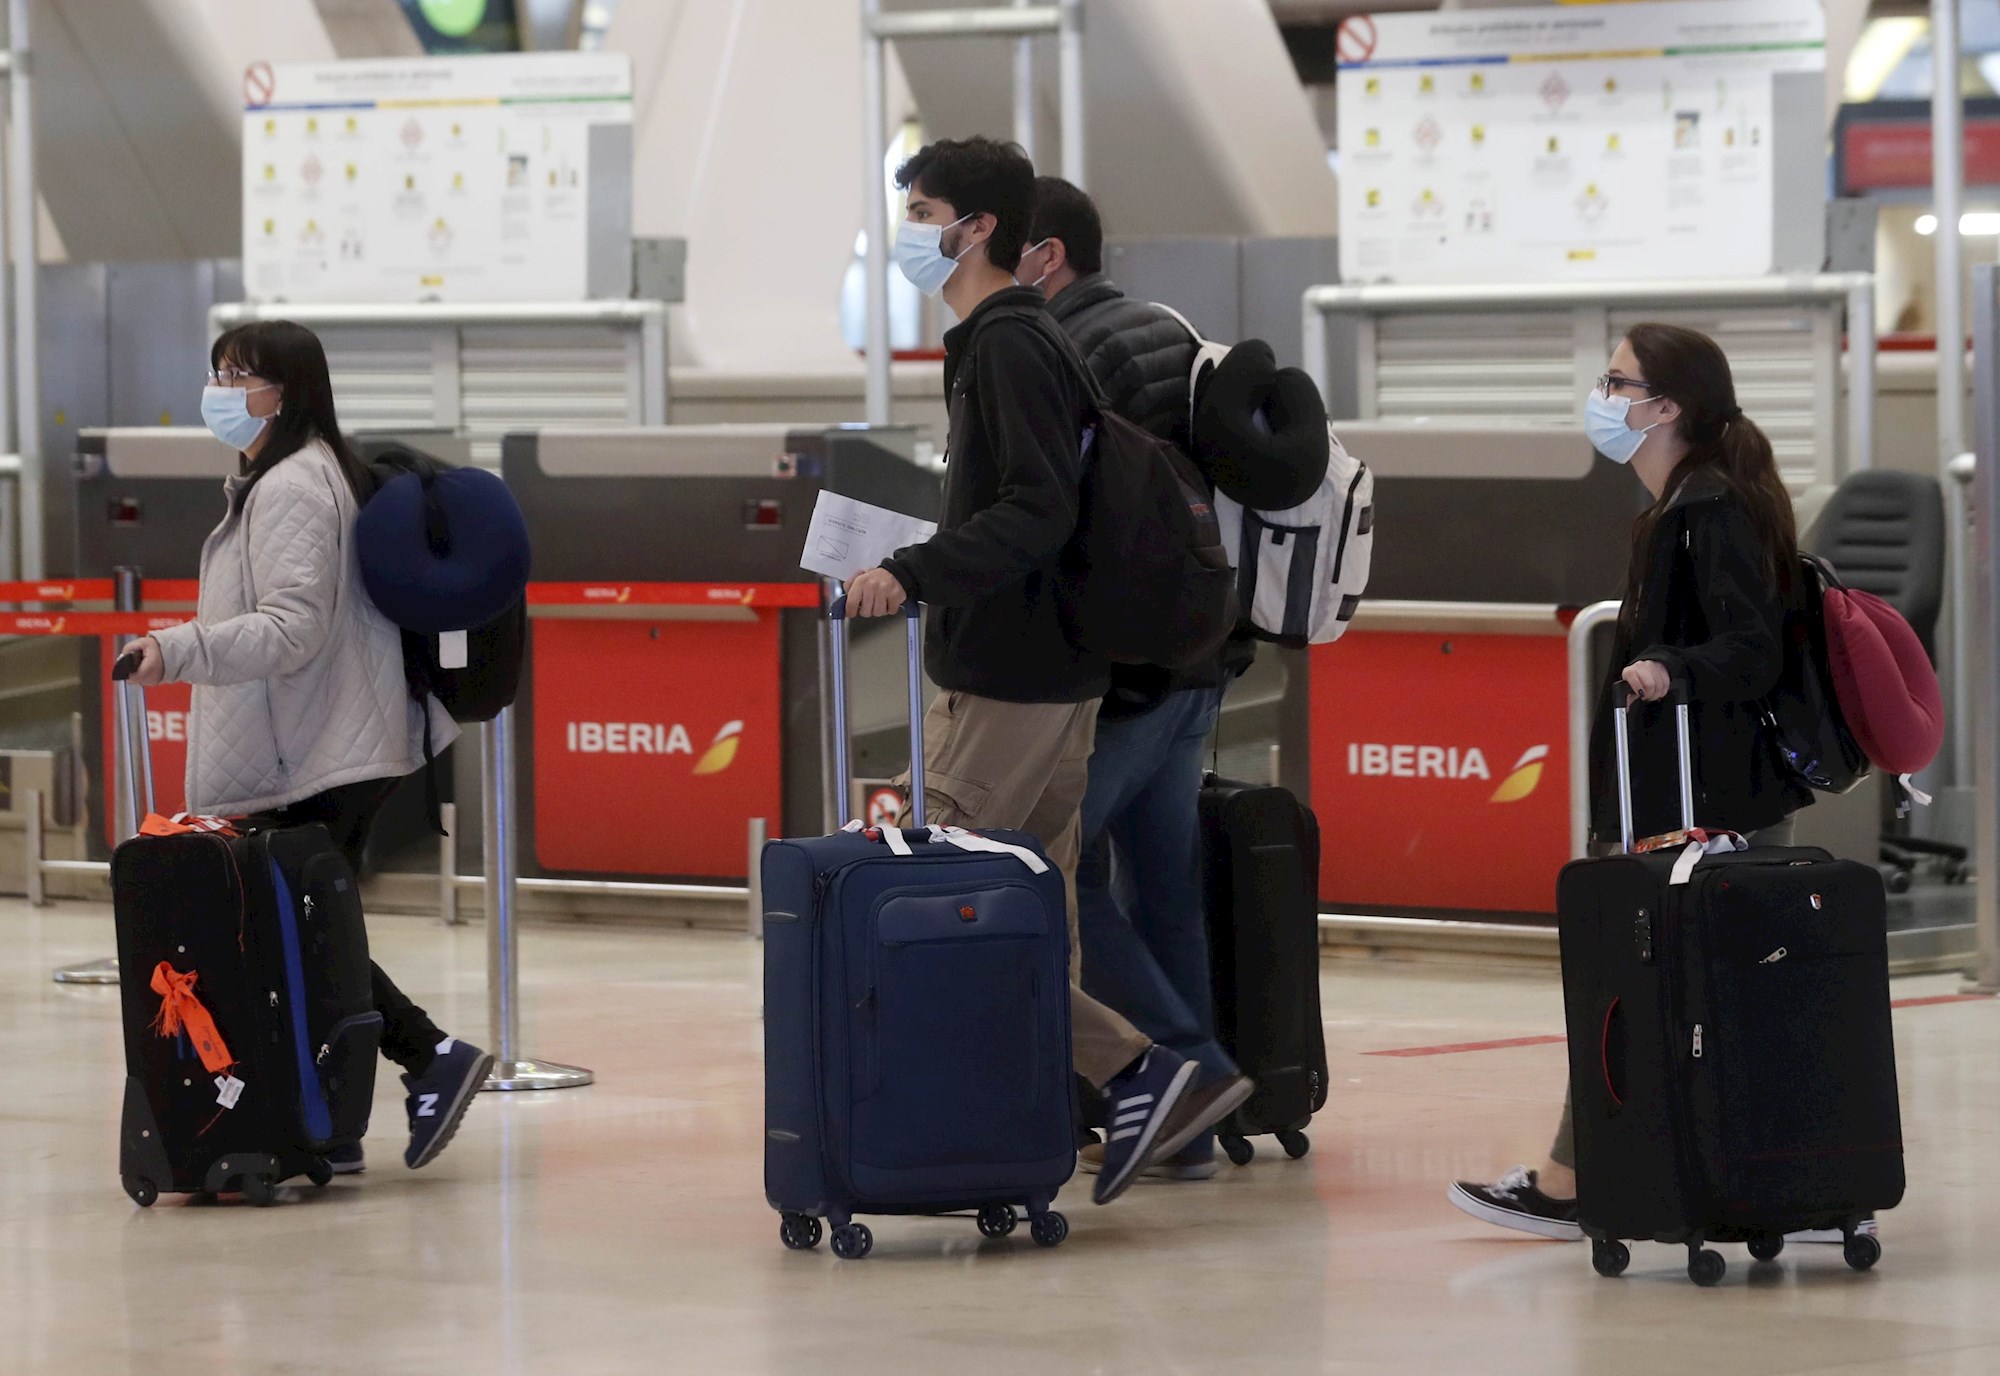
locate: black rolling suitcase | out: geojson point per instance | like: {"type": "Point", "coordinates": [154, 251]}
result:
{"type": "Point", "coordinates": [1732, 1069]}
{"type": "Point", "coordinates": [250, 1029]}
{"type": "Point", "coordinates": [1260, 866]}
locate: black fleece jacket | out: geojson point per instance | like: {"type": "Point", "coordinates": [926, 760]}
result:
{"type": "Point", "coordinates": [1013, 462]}
{"type": "Point", "coordinates": [1710, 613]}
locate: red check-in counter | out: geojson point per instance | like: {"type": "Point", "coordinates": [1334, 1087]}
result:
{"type": "Point", "coordinates": [1438, 728]}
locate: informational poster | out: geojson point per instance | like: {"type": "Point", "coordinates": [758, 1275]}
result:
{"type": "Point", "coordinates": [1565, 142]}
{"type": "Point", "coordinates": [448, 179]}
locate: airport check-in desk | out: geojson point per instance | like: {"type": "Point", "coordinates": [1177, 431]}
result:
{"type": "Point", "coordinates": [653, 733]}
{"type": "Point", "coordinates": [1437, 730]}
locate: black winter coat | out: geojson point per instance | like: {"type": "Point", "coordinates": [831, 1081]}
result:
{"type": "Point", "coordinates": [1709, 612]}
{"type": "Point", "coordinates": [1013, 462]}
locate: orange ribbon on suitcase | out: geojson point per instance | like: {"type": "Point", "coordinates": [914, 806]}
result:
{"type": "Point", "coordinates": [181, 1010]}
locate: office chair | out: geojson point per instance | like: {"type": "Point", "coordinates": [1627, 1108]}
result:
{"type": "Point", "coordinates": [1884, 533]}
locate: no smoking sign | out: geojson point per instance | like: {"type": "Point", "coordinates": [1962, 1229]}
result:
{"type": "Point", "coordinates": [1356, 39]}
{"type": "Point", "coordinates": [260, 83]}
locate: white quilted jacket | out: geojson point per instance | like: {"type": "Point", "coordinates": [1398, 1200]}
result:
{"type": "Point", "coordinates": [298, 679]}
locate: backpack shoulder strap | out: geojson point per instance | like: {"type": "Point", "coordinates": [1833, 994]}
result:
{"type": "Point", "coordinates": [1039, 320]}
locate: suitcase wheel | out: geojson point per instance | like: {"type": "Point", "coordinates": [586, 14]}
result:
{"type": "Point", "coordinates": [143, 1191]}
{"type": "Point", "coordinates": [997, 1220]}
{"type": "Point", "coordinates": [1049, 1229]}
{"type": "Point", "coordinates": [1238, 1150]}
{"type": "Point", "coordinates": [1767, 1247]}
{"type": "Point", "coordinates": [1862, 1251]}
{"type": "Point", "coordinates": [853, 1241]}
{"type": "Point", "coordinates": [260, 1190]}
{"type": "Point", "coordinates": [1706, 1267]}
{"type": "Point", "coordinates": [799, 1232]}
{"type": "Point", "coordinates": [1610, 1256]}
{"type": "Point", "coordinates": [1296, 1144]}
{"type": "Point", "coordinates": [320, 1172]}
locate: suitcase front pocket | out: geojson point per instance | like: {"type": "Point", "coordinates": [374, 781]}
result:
{"type": "Point", "coordinates": [346, 1066]}
{"type": "Point", "coordinates": [952, 1026]}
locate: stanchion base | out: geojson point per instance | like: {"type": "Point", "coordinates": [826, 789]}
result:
{"type": "Point", "coordinates": [90, 972]}
{"type": "Point", "coordinates": [512, 1075]}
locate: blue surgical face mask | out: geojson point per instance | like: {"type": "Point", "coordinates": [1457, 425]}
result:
{"type": "Point", "coordinates": [921, 257]}
{"type": "Point", "coordinates": [226, 412]}
{"type": "Point", "coordinates": [1607, 423]}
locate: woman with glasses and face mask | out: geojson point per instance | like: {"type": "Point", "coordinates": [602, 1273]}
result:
{"type": "Point", "coordinates": [1712, 566]}
{"type": "Point", "coordinates": [301, 712]}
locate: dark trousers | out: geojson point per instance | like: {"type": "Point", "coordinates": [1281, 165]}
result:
{"type": "Point", "coordinates": [409, 1037]}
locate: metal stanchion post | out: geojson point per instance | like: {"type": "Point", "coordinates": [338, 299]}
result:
{"type": "Point", "coordinates": [503, 949]}
{"type": "Point", "coordinates": [448, 866]}
{"type": "Point", "coordinates": [1982, 611]}
{"type": "Point", "coordinates": [760, 832]}
{"type": "Point", "coordinates": [131, 769]}
{"type": "Point", "coordinates": [38, 896]}
{"type": "Point", "coordinates": [1582, 704]}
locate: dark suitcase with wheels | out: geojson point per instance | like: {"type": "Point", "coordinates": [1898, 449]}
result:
{"type": "Point", "coordinates": [916, 1021]}
{"type": "Point", "coordinates": [250, 1027]}
{"type": "Point", "coordinates": [1732, 1066]}
{"type": "Point", "coordinates": [1260, 861]}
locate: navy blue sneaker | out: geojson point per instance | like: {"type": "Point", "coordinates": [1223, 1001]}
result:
{"type": "Point", "coordinates": [1137, 1106]}
{"type": "Point", "coordinates": [347, 1160]}
{"type": "Point", "coordinates": [439, 1097]}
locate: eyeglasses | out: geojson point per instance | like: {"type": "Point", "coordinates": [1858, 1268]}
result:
{"type": "Point", "coordinates": [229, 377]}
{"type": "Point", "coordinates": [1611, 382]}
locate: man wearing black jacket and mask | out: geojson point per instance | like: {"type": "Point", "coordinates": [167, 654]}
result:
{"type": "Point", "coordinates": [1007, 740]}
{"type": "Point", "coordinates": [1149, 958]}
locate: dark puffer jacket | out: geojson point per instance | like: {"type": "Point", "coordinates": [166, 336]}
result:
{"type": "Point", "coordinates": [1140, 355]}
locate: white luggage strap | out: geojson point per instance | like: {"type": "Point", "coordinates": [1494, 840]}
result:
{"type": "Point", "coordinates": [1702, 844]}
{"type": "Point", "coordinates": [1917, 795]}
{"type": "Point", "coordinates": [898, 843]}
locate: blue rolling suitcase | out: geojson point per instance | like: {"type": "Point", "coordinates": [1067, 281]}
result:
{"type": "Point", "coordinates": [916, 1019]}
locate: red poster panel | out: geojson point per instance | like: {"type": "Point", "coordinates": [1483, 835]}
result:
{"type": "Point", "coordinates": [1440, 770]}
{"type": "Point", "coordinates": [166, 725]}
{"type": "Point", "coordinates": [655, 743]}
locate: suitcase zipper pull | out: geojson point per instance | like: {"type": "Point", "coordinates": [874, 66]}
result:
{"type": "Point", "coordinates": [274, 998]}
{"type": "Point", "coordinates": [1697, 1041]}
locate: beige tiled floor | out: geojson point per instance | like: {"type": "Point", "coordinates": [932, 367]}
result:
{"type": "Point", "coordinates": [622, 1228]}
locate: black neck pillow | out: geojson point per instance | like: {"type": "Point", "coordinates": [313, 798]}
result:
{"type": "Point", "coordinates": [1260, 430]}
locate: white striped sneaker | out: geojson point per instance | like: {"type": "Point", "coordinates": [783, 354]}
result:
{"type": "Point", "coordinates": [1137, 1105]}
{"type": "Point", "coordinates": [1865, 1228]}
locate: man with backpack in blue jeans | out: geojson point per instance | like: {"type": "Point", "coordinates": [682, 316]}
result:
{"type": "Point", "coordinates": [1007, 741]}
{"type": "Point", "coordinates": [1143, 927]}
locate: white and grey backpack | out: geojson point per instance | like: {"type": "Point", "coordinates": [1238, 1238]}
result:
{"type": "Point", "coordinates": [1301, 570]}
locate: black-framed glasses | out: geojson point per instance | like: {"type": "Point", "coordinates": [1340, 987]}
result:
{"type": "Point", "coordinates": [228, 377]}
{"type": "Point", "coordinates": [1610, 382]}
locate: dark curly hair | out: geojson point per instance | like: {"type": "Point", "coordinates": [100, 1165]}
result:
{"type": "Point", "coordinates": [979, 176]}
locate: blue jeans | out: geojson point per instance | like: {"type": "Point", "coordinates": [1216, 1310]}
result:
{"type": "Point", "coordinates": [1140, 919]}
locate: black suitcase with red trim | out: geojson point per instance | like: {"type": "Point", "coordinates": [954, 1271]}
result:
{"type": "Point", "coordinates": [1732, 1065]}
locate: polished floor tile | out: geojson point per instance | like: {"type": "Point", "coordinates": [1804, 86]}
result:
{"type": "Point", "coordinates": [622, 1229]}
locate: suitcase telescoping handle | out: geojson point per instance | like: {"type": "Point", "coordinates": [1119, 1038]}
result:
{"type": "Point", "coordinates": [134, 742]}
{"type": "Point", "coordinates": [1621, 702]}
{"type": "Point", "coordinates": [843, 742]}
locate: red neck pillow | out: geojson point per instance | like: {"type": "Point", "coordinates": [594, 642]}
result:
{"type": "Point", "coordinates": [1887, 689]}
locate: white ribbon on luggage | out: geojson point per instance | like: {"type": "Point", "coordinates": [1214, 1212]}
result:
{"type": "Point", "coordinates": [973, 841]}
{"type": "Point", "coordinates": [1705, 844]}
{"type": "Point", "coordinates": [1917, 795]}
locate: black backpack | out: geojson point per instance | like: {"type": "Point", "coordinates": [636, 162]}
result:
{"type": "Point", "coordinates": [1145, 579]}
{"type": "Point", "coordinates": [494, 652]}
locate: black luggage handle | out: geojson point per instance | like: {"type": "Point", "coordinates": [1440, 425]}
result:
{"type": "Point", "coordinates": [1621, 702]}
{"type": "Point", "coordinates": [843, 744]}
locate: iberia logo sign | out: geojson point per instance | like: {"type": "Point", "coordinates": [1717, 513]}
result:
{"type": "Point", "coordinates": [654, 738]}
{"type": "Point", "coordinates": [1452, 763]}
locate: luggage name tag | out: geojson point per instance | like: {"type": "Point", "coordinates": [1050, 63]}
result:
{"type": "Point", "coordinates": [453, 651]}
{"type": "Point", "coordinates": [228, 1090]}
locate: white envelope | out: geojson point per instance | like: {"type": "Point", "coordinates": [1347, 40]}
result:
{"type": "Point", "coordinates": [847, 537]}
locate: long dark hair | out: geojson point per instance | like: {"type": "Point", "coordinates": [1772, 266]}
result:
{"type": "Point", "coordinates": [1690, 368]}
{"type": "Point", "coordinates": [290, 355]}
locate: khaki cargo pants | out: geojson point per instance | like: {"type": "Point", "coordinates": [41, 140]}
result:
{"type": "Point", "coordinates": [1024, 767]}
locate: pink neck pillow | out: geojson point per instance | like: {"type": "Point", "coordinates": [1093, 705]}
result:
{"type": "Point", "coordinates": [1887, 689]}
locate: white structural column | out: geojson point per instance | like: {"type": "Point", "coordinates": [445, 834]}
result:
{"type": "Point", "coordinates": [1983, 617]}
{"type": "Point", "coordinates": [1948, 192]}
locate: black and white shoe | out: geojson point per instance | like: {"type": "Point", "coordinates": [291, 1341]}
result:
{"type": "Point", "coordinates": [1865, 1228]}
{"type": "Point", "coordinates": [439, 1097]}
{"type": "Point", "coordinates": [1516, 1201]}
{"type": "Point", "coordinates": [347, 1160]}
{"type": "Point", "coordinates": [1137, 1106]}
